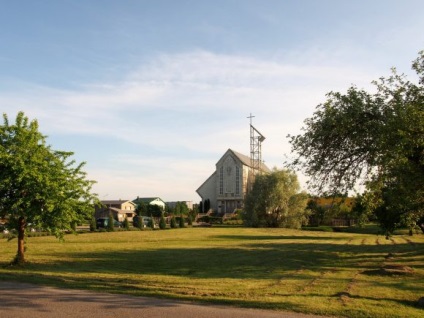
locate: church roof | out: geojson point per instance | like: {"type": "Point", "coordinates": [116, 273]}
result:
{"type": "Point", "coordinates": [246, 160]}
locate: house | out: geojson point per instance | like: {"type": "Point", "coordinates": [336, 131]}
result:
{"type": "Point", "coordinates": [150, 201]}
{"type": "Point", "coordinates": [226, 188]}
{"type": "Point", "coordinates": [120, 209]}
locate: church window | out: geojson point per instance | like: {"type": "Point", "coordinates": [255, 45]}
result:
{"type": "Point", "coordinates": [221, 180]}
{"type": "Point", "coordinates": [237, 180]}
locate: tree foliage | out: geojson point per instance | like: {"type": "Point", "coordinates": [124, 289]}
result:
{"type": "Point", "coordinates": [141, 208]}
{"type": "Point", "coordinates": [39, 185]}
{"type": "Point", "coordinates": [375, 138]}
{"type": "Point", "coordinates": [162, 223]}
{"type": "Point", "coordinates": [275, 201]}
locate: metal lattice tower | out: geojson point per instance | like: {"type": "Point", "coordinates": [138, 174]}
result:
{"type": "Point", "coordinates": [256, 139]}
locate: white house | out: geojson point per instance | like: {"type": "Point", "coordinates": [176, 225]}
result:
{"type": "Point", "coordinates": [151, 201]}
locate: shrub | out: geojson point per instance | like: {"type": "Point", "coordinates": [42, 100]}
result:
{"type": "Point", "coordinates": [126, 224]}
{"type": "Point", "coordinates": [110, 224]}
{"type": "Point", "coordinates": [182, 224]}
{"type": "Point", "coordinates": [152, 223]}
{"type": "Point", "coordinates": [173, 223]}
{"type": "Point", "coordinates": [162, 223]}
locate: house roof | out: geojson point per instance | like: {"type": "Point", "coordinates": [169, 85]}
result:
{"type": "Point", "coordinates": [147, 200]}
{"type": "Point", "coordinates": [114, 202]}
{"type": "Point", "coordinates": [119, 211]}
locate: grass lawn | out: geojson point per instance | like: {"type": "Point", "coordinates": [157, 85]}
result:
{"type": "Point", "coordinates": [312, 272]}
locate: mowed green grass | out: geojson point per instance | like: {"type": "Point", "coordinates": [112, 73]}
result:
{"type": "Point", "coordinates": [311, 272]}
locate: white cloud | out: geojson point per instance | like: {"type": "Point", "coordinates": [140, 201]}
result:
{"type": "Point", "coordinates": [190, 106]}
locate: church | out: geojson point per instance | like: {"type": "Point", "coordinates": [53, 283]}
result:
{"type": "Point", "coordinates": [226, 188]}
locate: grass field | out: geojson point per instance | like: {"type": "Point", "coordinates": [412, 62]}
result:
{"type": "Point", "coordinates": [324, 273]}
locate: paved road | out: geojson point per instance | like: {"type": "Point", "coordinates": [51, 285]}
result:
{"type": "Point", "coordinates": [24, 300]}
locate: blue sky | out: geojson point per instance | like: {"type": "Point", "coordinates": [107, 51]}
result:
{"type": "Point", "coordinates": [152, 93]}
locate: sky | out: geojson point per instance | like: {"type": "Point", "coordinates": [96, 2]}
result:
{"type": "Point", "coordinates": [150, 94]}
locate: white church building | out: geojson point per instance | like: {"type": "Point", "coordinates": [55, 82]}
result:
{"type": "Point", "coordinates": [226, 188]}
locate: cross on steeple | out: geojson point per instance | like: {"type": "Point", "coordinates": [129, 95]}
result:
{"type": "Point", "coordinates": [251, 116]}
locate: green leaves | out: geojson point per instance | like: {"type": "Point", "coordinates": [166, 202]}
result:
{"type": "Point", "coordinates": [275, 201]}
{"type": "Point", "coordinates": [376, 139]}
{"type": "Point", "coordinates": [40, 184]}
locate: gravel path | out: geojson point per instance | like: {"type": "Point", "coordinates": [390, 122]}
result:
{"type": "Point", "coordinates": [19, 300]}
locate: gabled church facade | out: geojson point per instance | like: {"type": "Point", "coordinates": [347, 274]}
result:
{"type": "Point", "coordinates": [226, 188]}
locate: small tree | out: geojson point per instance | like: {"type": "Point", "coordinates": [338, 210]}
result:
{"type": "Point", "coordinates": [173, 223]}
{"type": "Point", "coordinates": [92, 224]}
{"type": "Point", "coordinates": [162, 223]}
{"type": "Point", "coordinates": [152, 223]}
{"type": "Point", "coordinates": [141, 208]}
{"type": "Point", "coordinates": [207, 205]}
{"type": "Point", "coordinates": [189, 220]}
{"type": "Point", "coordinates": [110, 223]}
{"type": "Point", "coordinates": [182, 224]}
{"type": "Point", "coordinates": [40, 185]}
{"type": "Point", "coordinates": [126, 224]}
{"type": "Point", "coordinates": [275, 201]}
{"type": "Point", "coordinates": [154, 210]}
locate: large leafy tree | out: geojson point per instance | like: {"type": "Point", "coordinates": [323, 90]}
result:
{"type": "Point", "coordinates": [374, 138]}
{"type": "Point", "coordinates": [275, 201]}
{"type": "Point", "coordinates": [38, 185]}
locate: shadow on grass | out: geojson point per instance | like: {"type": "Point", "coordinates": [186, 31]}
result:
{"type": "Point", "coordinates": [254, 260]}
{"type": "Point", "coordinates": [249, 261]}
{"type": "Point", "coordinates": [278, 237]}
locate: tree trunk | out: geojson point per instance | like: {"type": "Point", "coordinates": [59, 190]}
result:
{"type": "Point", "coordinates": [20, 257]}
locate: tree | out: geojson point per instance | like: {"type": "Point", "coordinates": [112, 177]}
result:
{"type": "Point", "coordinates": [154, 210]}
{"type": "Point", "coordinates": [376, 139]}
{"type": "Point", "coordinates": [92, 224]}
{"type": "Point", "coordinates": [111, 223]}
{"type": "Point", "coordinates": [39, 185]}
{"type": "Point", "coordinates": [317, 212]}
{"type": "Point", "coordinates": [141, 208]}
{"type": "Point", "coordinates": [126, 224]}
{"type": "Point", "coordinates": [275, 201]}
{"type": "Point", "coordinates": [173, 223]}
{"type": "Point", "coordinates": [181, 221]}
{"type": "Point", "coordinates": [162, 223]}
{"type": "Point", "coordinates": [206, 206]}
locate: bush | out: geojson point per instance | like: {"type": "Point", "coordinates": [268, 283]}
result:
{"type": "Point", "coordinates": [138, 222]}
{"type": "Point", "coordinates": [126, 224]}
{"type": "Point", "coordinates": [211, 219]}
{"type": "Point", "coordinates": [162, 223]}
{"type": "Point", "coordinates": [93, 224]}
{"type": "Point", "coordinates": [181, 221]}
{"type": "Point", "coordinates": [173, 223]}
{"type": "Point", "coordinates": [110, 224]}
{"type": "Point", "coordinates": [189, 221]}
{"type": "Point", "coordinates": [152, 223]}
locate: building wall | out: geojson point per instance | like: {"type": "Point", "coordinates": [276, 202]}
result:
{"type": "Point", "coordinates": [226, 188]}
{"type": "Point", "coordinates": [230, 184]}
{"type": "Point", "coordinates": [208, 191]}
{"type": "Point", "coordinates": [128, 206]}
{"type": "Point", "coordinates": [158, 202]}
